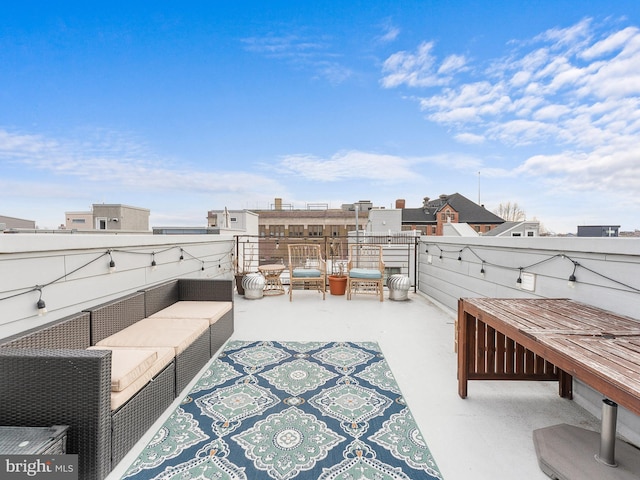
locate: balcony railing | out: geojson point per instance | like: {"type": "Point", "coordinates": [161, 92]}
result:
{"type": "Point", "coordinates": [399, 251]}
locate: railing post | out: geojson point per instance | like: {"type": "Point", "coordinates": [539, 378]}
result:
{"type": "Point", "coordinates": [416, 244]}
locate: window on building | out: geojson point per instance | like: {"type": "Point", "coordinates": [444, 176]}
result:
{"type": "Point", "coordinates": [315, 230]}
{"type": "Point", "coordinates": [296, 230]}
{"type": "Point", "coordinates": [78, 220]}
{"type": "Point", "coordinates": [276, 231]}
{"type": "Point", "coordinates": [334, 230]}
{"type": "Point", "coordinates": [434, 230]}
{"type": "Point", "coordinates": [262, 230]}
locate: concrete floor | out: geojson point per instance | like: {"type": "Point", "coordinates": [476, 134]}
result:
{"type": "Point", "coordinates": [486, 436]}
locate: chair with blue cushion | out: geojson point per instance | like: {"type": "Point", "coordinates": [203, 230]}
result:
{"type": "Point", "coordinates": [306, 268]}
{"type": "Point", "coordinates": [365, 270]}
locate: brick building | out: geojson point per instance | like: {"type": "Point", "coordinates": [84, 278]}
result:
{"type": "Point", "coordinates": [455, 208]}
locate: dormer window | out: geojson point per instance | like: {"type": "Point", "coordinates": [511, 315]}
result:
{"type": "Point", "coordinates": [447, 216]}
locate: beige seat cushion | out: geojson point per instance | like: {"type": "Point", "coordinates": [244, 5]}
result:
{"type": "Point", "coordinates": [127, 365]}
{"type": "Point", "coordinates": [178, 333]}
{"type": "Point", "coordinates": [163, 357]}
{"type": "Point", "coordinates": [211, 311]}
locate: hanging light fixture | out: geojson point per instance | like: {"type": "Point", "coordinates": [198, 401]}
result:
{"type": "Point", "coordinates": [519, 280]}
{"type": "Point", "coordinates": [112, 264]}
{"type": "Point", "coordinates": [181, 255]}
{"type": "Point", "coordinates": [40, 305]}
{"type": "Point", "coordinates": [482, 270]}
{"type": "Point", "coordinates": [153, 261]}
{"type": "Point", "coordinates": [572, 277]}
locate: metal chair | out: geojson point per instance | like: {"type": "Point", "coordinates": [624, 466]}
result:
{"type": "Point", "coordinates": [306, 267]}
{"type": "Point", "coordinates": [365, 270]}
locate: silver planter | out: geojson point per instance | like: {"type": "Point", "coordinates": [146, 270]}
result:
{"type": "Point", "coordinates": [399, 286]}
{"type": "Point", "coordinates": [253, 284]}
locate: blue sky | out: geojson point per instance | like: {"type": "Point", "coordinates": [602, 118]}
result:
{"type": "Point", "coordinates": [183, 107]}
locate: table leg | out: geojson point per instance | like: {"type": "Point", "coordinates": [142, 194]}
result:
{"type": "Point", "coordinates": [463, 351]}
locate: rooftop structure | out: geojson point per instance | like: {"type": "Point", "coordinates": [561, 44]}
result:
{"type": "Point", "coordinates": [598, 230]}
{"type": "Point", "coordinates": [109, 217]}
{"type": "Point", "coordinates": [455, 208]}
{"type": "Point", "coordinates": [7, 223]}
{"type": "Point", "coordinates": [516, 229]}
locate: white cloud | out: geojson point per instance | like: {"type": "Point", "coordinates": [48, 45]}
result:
{"type": "Point", "coordinates": [413, 69]}
{"type": "Point", "coordinates": [317, 56]}
{"type": "Point", "coordinates": [452, 64]}
{"type": "Point", "coordinates": [550, 112]}
{"type": "Point", "coordinates": [391, 32]}
{"type": "Point", "coordinates": [112, 162]}
{"type": "Point", "coordinates": [615, 41]}
{"type": "Point", "coordinates": [469, 103]}
{"type": "Point", "coordinates": [350, 165]}
{"type": "Point", "coordinates": [470, 138]}
{"type": "Point", "coordinates": [572, 93]}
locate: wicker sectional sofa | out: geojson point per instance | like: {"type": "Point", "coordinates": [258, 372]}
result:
{"type": "Point", "coordinates": [110, 371]}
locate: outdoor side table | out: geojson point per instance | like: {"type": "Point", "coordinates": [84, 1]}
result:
{"type": "Point", "coordinates": [272, 283]}
{"type": "Point", "coordinates": [33, 440]}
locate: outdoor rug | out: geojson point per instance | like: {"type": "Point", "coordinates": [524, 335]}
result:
{"type": "Point", "coordinates": [291, 410]}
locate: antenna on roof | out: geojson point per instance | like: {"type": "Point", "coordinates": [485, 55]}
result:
{"type": "Point", "coordinates": [479, 188]}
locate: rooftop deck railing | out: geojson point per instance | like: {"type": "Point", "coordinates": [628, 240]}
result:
{"type": "Point", "coordinates": [399, 251]}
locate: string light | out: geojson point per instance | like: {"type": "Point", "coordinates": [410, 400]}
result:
{"type": "Point", "coordinates": [572, 277]}
{"type": "Point", "coordinates": [112, 264]}
{"type": "Point", "coordinates": [40, 305]}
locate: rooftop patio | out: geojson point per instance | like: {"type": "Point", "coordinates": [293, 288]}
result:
{"type": "Point", "coordinates": [486, 436]}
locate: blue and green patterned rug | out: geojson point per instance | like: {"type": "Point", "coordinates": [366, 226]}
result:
{"type": "Point", "coordinates": [291, 410]}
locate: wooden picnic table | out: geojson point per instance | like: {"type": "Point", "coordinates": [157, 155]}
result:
{"type": "Point", "coordinates": [549, 339]}
{"type": "Point", "coordinates": [558, 339]}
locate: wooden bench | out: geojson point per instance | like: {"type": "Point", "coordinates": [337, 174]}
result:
{"type": "Point", "coordinates": [553, 339]}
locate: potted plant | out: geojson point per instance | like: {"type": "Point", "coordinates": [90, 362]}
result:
{"type": "Point", "coordinates": [337, 278]}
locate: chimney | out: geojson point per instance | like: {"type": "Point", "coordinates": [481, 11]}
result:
{"type": "Point", "coordinates": [425, 202]}
{"type": "Point", "coordinates": [400, 203]}
{"type": "Point", "coordinates": [278, 204]}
